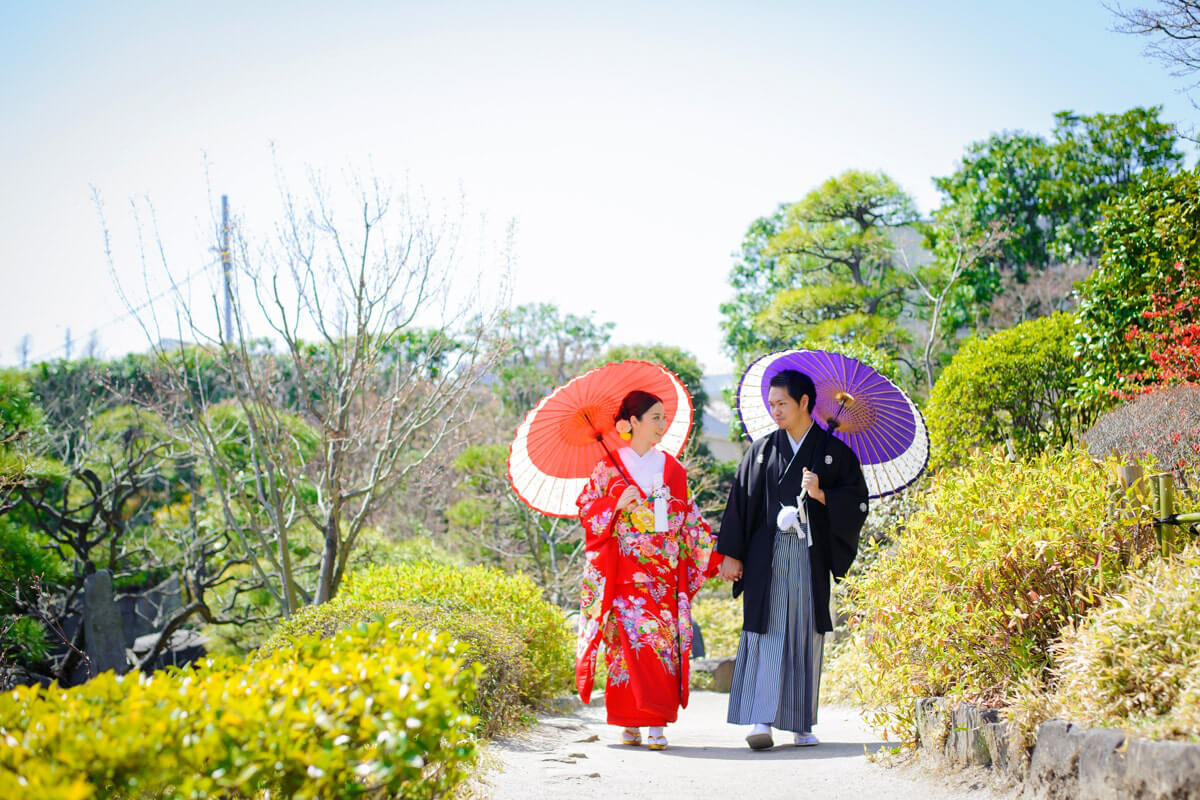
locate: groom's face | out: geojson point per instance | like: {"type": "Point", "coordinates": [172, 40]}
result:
{"type": "Point", "coordinates": [786, 412]}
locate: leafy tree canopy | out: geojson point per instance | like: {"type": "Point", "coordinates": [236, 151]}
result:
{"type": "Point", "coordinates": [1049, 192]}
{"type": "Point", "coordinates": [1143, 235]}
{"type": "Point", "coordinates": [833, 271]}
{"type": "Point", "coordinates": [545, 347]}
{"type": "Point", "coordinates": [755, 280]}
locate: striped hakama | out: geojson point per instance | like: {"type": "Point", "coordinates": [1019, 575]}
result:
{"type": "Point", "coordinates": [777, 674]}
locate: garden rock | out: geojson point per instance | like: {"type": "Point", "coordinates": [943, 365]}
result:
{"type": "Point", "coordinates": [721, 670]}
{"type": "Point", "coordinates": [183, 647]}
{"type": "Point", "coordinates": [1070, 761]}
{"type": "Point", "coordinates": [1162, 769]}
{"type": "Point", "coordinates": [964, 734]}
{"type": "Point", "coordinates": [103, 630]}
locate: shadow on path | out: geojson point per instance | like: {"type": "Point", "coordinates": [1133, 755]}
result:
{"type": "Point", "coordinates": [781, 752]}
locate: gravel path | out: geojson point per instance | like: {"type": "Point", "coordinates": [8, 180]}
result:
{"type": "Point", "coordinates": [577, 756]}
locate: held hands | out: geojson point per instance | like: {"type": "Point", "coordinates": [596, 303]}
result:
{"type": "Point", "coordinates": [813, 486]}
{"type": "Point", "coordinates": [730, 569]}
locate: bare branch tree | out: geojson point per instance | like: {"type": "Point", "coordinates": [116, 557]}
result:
{"type": "Point", "coordinates": [1174, 31]}
{"type": "Point", "coordinates": [936, 283]}
{"type": "Point", "coordinates": [1176, 22]}
{"type": "Point", "coordinates": [375, 337]}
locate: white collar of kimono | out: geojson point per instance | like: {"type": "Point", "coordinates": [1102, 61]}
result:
{"type": "Point", "coordinates": [646, 470]}
{"type": "Point", "coordinates": [796, 444]}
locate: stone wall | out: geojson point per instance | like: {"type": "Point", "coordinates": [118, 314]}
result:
{"type": "Point", "coordinates": [1067, 761]}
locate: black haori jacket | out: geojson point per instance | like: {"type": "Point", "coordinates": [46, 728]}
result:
{"type": "Point", "coordinates": [764, 484]}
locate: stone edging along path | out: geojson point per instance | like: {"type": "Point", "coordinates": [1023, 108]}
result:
{"type": "Point", "coordinates": [1068, 761]}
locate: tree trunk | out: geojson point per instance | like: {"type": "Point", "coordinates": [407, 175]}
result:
{"type": "Point", "coordinates": [325, 583]}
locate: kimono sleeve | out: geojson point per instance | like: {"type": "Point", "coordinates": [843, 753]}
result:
{"type": "Point", "coordinates": [598, 503]}
{"type": "Point", "coordinates": [846, 503]}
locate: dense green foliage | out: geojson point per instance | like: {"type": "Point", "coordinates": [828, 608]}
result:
{"type": "Point", "coordinates": [21, 418]}
{"type": "Point", "coordinates": [719, 616]}
{"type": "Point", "coordinates": [1016, 386]}
{"type": "Point", "coordinates": [998, 556]}
{"type": "Point", "coordinates": [375, 708]}
{"type": "Point", "coordinates": [1143, 235]}
{"type": "Point", "coordinates": [512, 602]}
{"type": "Point", "coordinates": [25, 566]}
{"type": "Point", "coordinates": [1049, 193]}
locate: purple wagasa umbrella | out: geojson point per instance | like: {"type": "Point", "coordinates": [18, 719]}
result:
{"type": "Point", "coordinates": [868, 412]}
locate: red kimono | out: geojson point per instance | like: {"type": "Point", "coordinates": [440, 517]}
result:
{"type": "Point", "coordinates": [638, 586]}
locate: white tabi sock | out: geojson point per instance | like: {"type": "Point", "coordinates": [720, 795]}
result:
{"type": "Point", "coordinates": [760, 727]}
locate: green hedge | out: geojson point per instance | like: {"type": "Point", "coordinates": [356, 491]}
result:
{"type": "Point", "coordinates": [512, 602]}
{"type": "Point", "coordinates": [500, 652]}
{"type": "Point", "coordinates": [1016, 386]}
{"type": "Point", "coordinates": [997, 558]}
{"type": "Point", "coordinates": [376, 708]}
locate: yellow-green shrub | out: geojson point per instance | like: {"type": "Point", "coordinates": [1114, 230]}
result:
{"type": "Point", "coordinates": [512, 601]}
{"type": "Point", "coordinates": [719, 616]}
{"type": "Point", "coordinates": [374, 708]}
{"type": "Point", "coordinates": [500, 652]}
{"type": "Point", "coordinates": [1133, 662]}
{"type": "Point", "coordinates": [996, 559]}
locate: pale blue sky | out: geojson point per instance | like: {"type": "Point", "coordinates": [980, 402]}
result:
{"type": "Point", "coordinates": [632, 143]}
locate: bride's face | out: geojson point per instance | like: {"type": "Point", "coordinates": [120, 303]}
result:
{"type": "Point", "coordinates": [650, 427]}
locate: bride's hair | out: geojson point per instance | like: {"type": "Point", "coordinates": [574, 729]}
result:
{"type": "Point", "coordinates": [635, 404]}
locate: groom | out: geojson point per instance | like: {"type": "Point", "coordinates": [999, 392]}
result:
{"type": "Point", "coordinates": [792, 523]}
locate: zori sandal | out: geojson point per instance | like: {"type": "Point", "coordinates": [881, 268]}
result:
{"type": "Point", "coordinates": [631, 736]}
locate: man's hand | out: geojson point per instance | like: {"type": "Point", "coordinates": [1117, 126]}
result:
{"type": "Point", "coordinates": [731, 569]}
{"type": "Point", "coordinates": [628, 498]}
{"type": "Point", "coordinates": [813, 485]}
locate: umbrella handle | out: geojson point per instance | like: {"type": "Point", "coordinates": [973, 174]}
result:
{"type": "Point", "coordinates": [612, 459]}
{"type": "Point", "coordinates": [833, 421]}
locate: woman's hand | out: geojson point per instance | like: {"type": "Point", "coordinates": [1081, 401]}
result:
{"type": "Point", "coordinates": [628, 497]}
{"type": "Point", "coordinates": [731, 569]}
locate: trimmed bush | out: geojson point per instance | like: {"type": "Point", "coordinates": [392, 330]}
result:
{"type": "Point", "coordinates": [513, 602]}
{"type": "Point", "coordinates": [1163, 426]}
{"type": "Point", "coordinates": [374, 709]}
{"type": "Point", "coordinates": [995, 560]}
{"type": "Point", "coordinates": [1133, 662]}
{"type": "Point", "coordinates": [1016, 386]}
{"type": "Point", "coordinates": [500, 652]}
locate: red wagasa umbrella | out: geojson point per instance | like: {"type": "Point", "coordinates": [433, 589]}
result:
{"type": "Point", "coordinates": [571, 429]}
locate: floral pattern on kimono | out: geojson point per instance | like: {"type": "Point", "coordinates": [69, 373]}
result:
{"type": "Point", "coordinates": [636, 596]}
